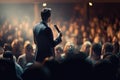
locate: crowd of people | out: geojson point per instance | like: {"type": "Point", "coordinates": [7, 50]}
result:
{"type": "Point", "coordinates": [87, 51]}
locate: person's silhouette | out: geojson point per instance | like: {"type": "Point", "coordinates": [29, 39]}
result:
{"type": "Point", "coordinates": [43, 37]}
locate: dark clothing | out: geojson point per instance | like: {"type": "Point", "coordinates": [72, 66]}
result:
{"type": "Point", "coordinates": [43, 38]}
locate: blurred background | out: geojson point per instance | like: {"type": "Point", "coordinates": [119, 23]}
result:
{"type": "Point", "coordinates": [79, 20]}
{"type": "Point", "coordinates": [91, 36]}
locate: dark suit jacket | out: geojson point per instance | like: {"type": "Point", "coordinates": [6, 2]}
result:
{"type": "Point", "coordinates": [43, 38]}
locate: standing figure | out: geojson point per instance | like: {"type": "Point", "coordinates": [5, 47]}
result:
{"type": "Point", "coordinates": [43, 37]}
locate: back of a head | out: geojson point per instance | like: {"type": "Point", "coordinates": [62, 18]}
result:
{"type": "Point", "coordinates": [7, 70]}
{"type": "Point", "coordinates": [78, 67]}
{"type": "Point", "coordinates": [45, 14]}
{"type": "Point", "coordinates": [96, 48]}
{"type": "Point", "coordinates": [7, 47]}
{"type": "Point", "coordinates": [17, 47]}
{"type": "Point", "coordinates": [103, 70]}
{"type": "Point", "coordinates": [53, 66]}
{"type": "Point", "coordinates": [50, 62]}
{"type": "Point", "coordinates": [107, 47]}
{"type": "Point", "coordinates": [8, 55]}
{"type": "Point", "coordinates": [36, 72]}
{"type": "Point", "coordinates": [16, 43]}
{"type": "Point", "coordinates": [116, 48]}
{"type": "Point", "coordinates": [114, 59]}
{"type": "Point", "coordinates": [86, 47]}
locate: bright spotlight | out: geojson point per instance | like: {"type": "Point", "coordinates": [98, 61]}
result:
{"type": "Point", "coordinates": [90, 4]}
{"type": "Point", "coordinates": [44, 4]}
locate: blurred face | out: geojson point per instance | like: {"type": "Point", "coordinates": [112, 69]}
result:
{"type": "Point", "coordinates": [118, 35]}
{"type": "Point", "coordinates": [97, 39]}
{"type": "Point", "coordinates": [84, 34]}
{"type": "Point", "coordinates": [76, 32]}
{"type": "Point", "coordinates": [71, 29]}
{"type": "Point", "coordinates": [64, 28]}
{"type": "Point", "coordinates": [28, 51]}
{"type": "Point", "coordinates": [92, 31]}
{"type": "Point", "coordinates": [98, 30]}
{"type": "Point", "coordinates": [114, 39]}
{"type": "Point", "coordinates": [58, 51]}
{"type": "Point", "coordinates": [109, 31]}
{"type": "Point", "coordinates": [82, 28]}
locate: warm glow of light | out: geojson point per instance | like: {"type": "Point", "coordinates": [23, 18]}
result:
{"type": "Point", "coordinates": [90, 4]}
{"type": "Point", "coordinates": [44, 4]}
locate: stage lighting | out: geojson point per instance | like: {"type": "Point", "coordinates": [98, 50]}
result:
{"type": "Point", "coordinates": [44, 4]}
{"type": "Point", "coordinates": [90, 4]}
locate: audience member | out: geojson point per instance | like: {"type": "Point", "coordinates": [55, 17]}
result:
{"type": "Point", "coordinates": [95, 54]}
{"type": "Point", "coordinates": [27, 57]}
{"type": "Point", "coordinates": [8, 55]}
{"type": "Point", "coordinates": [36, 72]}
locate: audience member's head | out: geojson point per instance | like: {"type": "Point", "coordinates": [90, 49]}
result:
{"type": "Point", "coordinates": [45, 14]}
{"type": "Point", "coordinates": [8, 55]}
{"type": "Point", "coordinates": [114, 59]}
{"type": "Point", "coordinates": [86, 47]}
{"type": "Point", "coordinates": [103, 70]}
{"type": "Point", "coordinates": [97, 39]}
{"type": "Point", "coordinates": [69, 49]}
{"type": "Point", "coordinates": [7, 70]}
{"type": "Point", "coordinates": [58, 50]}
{"type": "Point", "coordinates": [78, 67]}
{"type": "Point", "coordinates": [53, 66]}
{"type": "Point", "coordinates": [7, 47]}
{"type": "Point", "coordinates": [107, 47]}
{"type": "Point", "coordinates": [28, 48]}
{"type": "Point", "coordinates": [116, 48]}
{"type": "Point", "coordinates": [36, 72]}
{"type": "Point", "coordinates": [17, 47]}
{"type": "Point", "coordinates": [58, 53]}
{"type": "Point", "coordinates": [96, 51]}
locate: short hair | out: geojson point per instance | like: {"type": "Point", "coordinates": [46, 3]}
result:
{"type": "Point", "coordinates": [28, 46]}
{"type": "Point", "coordinates": [36, 71]}
{"type": "Point", "coordinates": [7, 47]}
{"type": "Point", "coordinates": [8, 55]}
{"type": "Point", "coordinates": [108, 47]}
{"type": "Point", "coordinates": [59, 49]}
{"type": "Point", "coordinates": [86, 47]}
{"type": "Point", "coordinates": [45, 14]}
{"type": "Point", "coordinates": [96, 48]}
{"type": "Point", "coordinates": [69, 48]}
